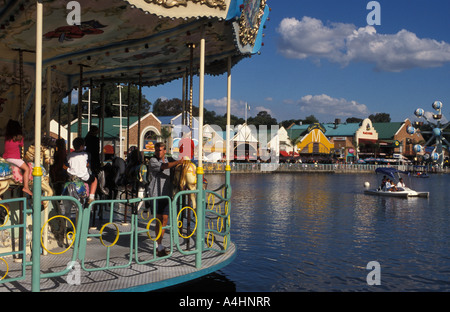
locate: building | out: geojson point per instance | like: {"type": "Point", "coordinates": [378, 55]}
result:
{"type": "Point", "coordinates": [245, 143]}
{"type": "Point", "coordinates": [395, 140]}
{"type": "Point", "coordinates": [150, 132]}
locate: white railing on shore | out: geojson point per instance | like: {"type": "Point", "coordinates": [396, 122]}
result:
{"type": "Point", "coordinates": [306, 167]}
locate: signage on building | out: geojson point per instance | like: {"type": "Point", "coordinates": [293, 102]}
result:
{"type": "Point", "coordinates": [316, 126]}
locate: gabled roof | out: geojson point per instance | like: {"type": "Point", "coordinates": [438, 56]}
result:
{"type": "Point", "coordinates": [387, 130]}
{"type": "Point", "coordinates": [344, 129]}
{"type": "Point", "coordinates": [135, 123]}
{"type": "Point", "coordinates": [331, 130]}
{"type": "Point", "coordinates": [111, 126]}
{"type": "Point", "coordinates": [297, 131]}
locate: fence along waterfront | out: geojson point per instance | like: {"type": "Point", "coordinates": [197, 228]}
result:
{"type": "Point", "coordinates": [311, 168]}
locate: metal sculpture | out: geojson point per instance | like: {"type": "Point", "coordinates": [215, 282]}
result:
{"type": "Point", "coordinates": [438, 124]}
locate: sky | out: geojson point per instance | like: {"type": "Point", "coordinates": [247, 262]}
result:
{"type": "Point", "coordinates": [322, 58]}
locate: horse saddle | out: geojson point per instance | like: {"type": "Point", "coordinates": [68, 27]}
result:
{"type": "Point", "coordinates": [8, 171]}
{"type": "Point", "coordinates": [76, 188]}
{"type": "Point", "coordinates": [5, 170]}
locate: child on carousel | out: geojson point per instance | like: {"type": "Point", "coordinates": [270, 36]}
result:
{"type": "Point", "coordinates": [77, 164]}
{"type": "Point", "coordinates": [12, 154]}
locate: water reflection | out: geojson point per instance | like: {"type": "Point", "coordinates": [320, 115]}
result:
{"type": "Point", "coordinates": [317, 232]}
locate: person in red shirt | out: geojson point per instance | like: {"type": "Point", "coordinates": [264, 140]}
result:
{"type": "Point", "coordinates": [12, 154]}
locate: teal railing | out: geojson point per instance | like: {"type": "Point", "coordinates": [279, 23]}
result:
{"type": "Point", "coordinates": [207, 224]}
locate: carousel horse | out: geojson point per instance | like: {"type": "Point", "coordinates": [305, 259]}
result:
{"type": "Point", "coordinates": [109, 178]}
{"type": "Point", "coordinates": [11, 175]}
{"type": "Point", "coordinates": [114, 176]}
{"type": "Point", "coordinates": [185, 178]}
{"type": "Point", "coordinates": [136, 175]}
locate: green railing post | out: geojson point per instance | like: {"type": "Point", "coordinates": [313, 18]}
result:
{"type": "Point", "coordinates": [200, 219]}
{"type": "Point", "coordinates": [227, 180]}
{"type": "Point", "coordinates": [36, 238]}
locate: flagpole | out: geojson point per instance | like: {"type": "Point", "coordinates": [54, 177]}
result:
{"type": "Point", "coordinates": [245, 112]}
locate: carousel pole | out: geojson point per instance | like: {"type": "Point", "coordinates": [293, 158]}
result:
{"type": "Point", "coordinates": [47, 127]}
{"type": "Point", "coordinates": [80, 100]}
{"type": "Point", "coordinates": [59, 120]}
{"type": "Point", "coordinates": [69, 120]}
{"type": "Point", "coordinates": [200, 201]}
{"type": "Point", "coordinates": [186, 96]}
{"type": "Point", "coordinates": [128, 114]}
{"type": "Point", "coordinates": [102, 118]}
{"type": "Point", "coordinates": [228, 127]}
{"type": "Point", "coordinates": [49, 100]}
{"type": "Point", "coordinates": [139, 112]}
{"type": "Point", "coordinates": [37, 170]}
{"type": "Point", "coordinates": [191, 80]}
{"type": "Point", "coordinates": [183, 102]}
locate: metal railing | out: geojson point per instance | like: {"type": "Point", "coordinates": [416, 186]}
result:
{"type": "Point", "coordinates": [309, 167]}
{"type": "Point", "coordinates": [77, 232]}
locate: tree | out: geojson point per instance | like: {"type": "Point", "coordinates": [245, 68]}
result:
{"type": "Point", "coordinates": [353, 120]}
{"type": "Point", "coordinates": [111, 96]}
{"type": "Point", "coordinates": [287, 123]}
{"type": "Point", "coordinates": [311, 119]}
{"type": "Point", "coordinates": [380, 117]}
{"type": "Point", "coordinates": [171, 107]}
{"type": "Point", "coordinates": [262, 118]}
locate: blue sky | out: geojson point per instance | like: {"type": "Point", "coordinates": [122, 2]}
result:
{"type": "Point", "coordinates": [321, 58]}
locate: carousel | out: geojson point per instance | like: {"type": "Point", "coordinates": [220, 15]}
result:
{"type": "Point", "coordinates": [51, 241]}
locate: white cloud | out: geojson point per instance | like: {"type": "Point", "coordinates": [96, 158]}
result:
{"type": "Point", "coordinates": [326, 106]}
{"type": "Point", "coordinates": [344, 43]}
{"type": "Point", "coordinates": [262, 108]}
{"type": "Point", "coordinates": [220, 106]}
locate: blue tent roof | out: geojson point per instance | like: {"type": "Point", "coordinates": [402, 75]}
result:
{"type": "Point", "coordinates": [390, 171]}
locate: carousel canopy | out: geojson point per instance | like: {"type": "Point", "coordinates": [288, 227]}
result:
{"type": "Point", "coordinates": [146, 42]}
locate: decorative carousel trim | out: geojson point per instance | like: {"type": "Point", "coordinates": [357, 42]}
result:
{"type": "Point", "coordinates": [248, 32]}
{"type": "Point", "coordinates": [175, 3]}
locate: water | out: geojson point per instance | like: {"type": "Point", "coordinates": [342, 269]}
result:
{"type": "Point", "coordinates": [318, 232]}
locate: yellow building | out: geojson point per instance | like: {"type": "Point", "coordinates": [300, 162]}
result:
{"type": "Point", "coordinates": [315, 141]}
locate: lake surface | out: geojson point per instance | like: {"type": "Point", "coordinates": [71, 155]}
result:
{"type": "Point", "coordinates": [318, 232]}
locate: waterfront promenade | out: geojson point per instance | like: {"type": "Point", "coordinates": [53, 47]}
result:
{"type": "Point", "coordinates": [312, 168]}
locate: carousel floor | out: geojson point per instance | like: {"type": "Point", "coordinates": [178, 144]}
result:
{"type": "Point", "coordinates": [162, 273]}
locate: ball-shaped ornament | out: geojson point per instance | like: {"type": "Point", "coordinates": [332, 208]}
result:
{"type": "Point", "coordinates": [411, 130]}
{"type": "Point", "coordinates": [419, 112]}
{"type": "Point", "coordinates": [434, 156]}
{"type": "Point", "coordinates": [437, 105]}
{"type": "Point", "coordinates": [418, 148]}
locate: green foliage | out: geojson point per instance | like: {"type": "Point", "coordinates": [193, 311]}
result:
{"type": "Point", "coordinates": [111, 95]}
{"type": "Point", "coordinates": [262, 118]}
{"type": "Point", "coordinates": [380, 117]}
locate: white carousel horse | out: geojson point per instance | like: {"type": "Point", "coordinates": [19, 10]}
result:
{"type": "Point", "coordinates": [185, 178]}
{"type": "Point", "coordinates": [11, 175]}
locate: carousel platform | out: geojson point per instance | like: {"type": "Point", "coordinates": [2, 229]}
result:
{"type": "Point", "coordinates": [116, 259]}
{"type": "Point", "coordinates": [165, 272]}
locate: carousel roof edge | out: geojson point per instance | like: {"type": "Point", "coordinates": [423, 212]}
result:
{"type": "Point", "coordinates": [186, 9]}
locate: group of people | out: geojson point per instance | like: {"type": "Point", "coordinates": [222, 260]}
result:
{"type": "Point", "coordinates": [389, 185]}
{"type": "Point", "coordinates": [84, 164]}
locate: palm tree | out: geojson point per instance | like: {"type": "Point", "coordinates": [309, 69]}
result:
{"type": "Point", "coordinates": [293, 141]}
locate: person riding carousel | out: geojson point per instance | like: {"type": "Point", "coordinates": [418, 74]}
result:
{"type": "Point", "coordinates": [12, 154]}
{"type": "Point", "coordinates": [77, 165]}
